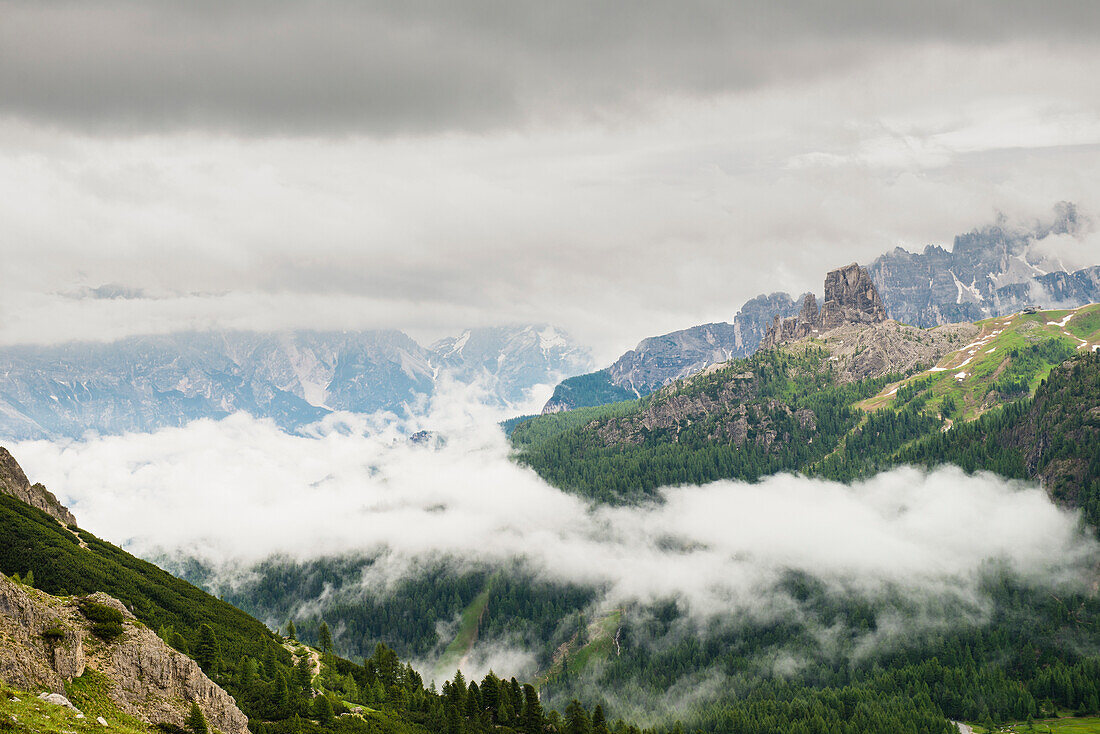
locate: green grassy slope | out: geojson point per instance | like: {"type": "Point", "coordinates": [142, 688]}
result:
{"type": "Point", "coordinates": [1008, 360]}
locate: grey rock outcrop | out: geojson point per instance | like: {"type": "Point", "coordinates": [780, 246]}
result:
{"type": "Point", "coordinates": [15, 483]}
{"type": "Point", "coordinates": [45, 642]}
{"type": "Point", "coordinates": [57, 700]}
{"type": "Point", "coordinates": [850, 298]}
{"type": "Point", "coordinates": [797, 327]}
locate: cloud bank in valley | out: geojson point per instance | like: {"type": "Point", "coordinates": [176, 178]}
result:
{"type": "Point", "coordinates": [236, 491]}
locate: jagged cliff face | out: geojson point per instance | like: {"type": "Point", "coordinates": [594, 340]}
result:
{"type": "Point", "coordinates": [660, 360]}
{"type": "Point", "coordinates": [15, 483]}
{"type": "Point", "coordinates": [45, 642]}
{"type": "Point", "coordinates": [850, 298]}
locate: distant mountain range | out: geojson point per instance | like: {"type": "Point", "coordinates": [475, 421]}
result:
{"type": "Point", "coordinates": [991, 271]}
{"type": "Point", "coordinates": [294, 378]}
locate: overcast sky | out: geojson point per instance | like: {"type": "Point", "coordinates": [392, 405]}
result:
{"type": "Point", "coordinates": [619, 169]}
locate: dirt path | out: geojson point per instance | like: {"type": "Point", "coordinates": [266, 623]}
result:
{"type": "Point", "coordinates": [295, 649]}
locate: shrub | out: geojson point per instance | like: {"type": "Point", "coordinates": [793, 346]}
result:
{"type": "Point", "coordinates": [54, 633]}
{"type": "Point", "coordinates": [96, 612]}
{"type": "Point", "coordinates": [107, 630]}
{"type": "Point", "coordinates": [106, 621]}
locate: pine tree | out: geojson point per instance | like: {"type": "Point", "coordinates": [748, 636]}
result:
{"type": "Point", "coordinates": [29, 578]}
{"type": "Point", "coordinates": [599, 723]}
{"type": "Point", "coordinates": [291, 632]}
{"type": "Point", "coordinates": [207, 653]}
{"type": "Point", "coordinates": [196, 722]}
{"type": "Point", "coordinates": [532, 710]}
{"type": "Point", "coordinates": [322, 710]}
{"type": "Point", "coordinates": [324, 638]}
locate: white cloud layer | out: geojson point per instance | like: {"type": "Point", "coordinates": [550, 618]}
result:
{"type": "Point", "coordinates": [238, 490]}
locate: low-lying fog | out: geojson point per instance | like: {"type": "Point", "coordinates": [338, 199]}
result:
{"type": "Point", "coordinates": [235, 491]}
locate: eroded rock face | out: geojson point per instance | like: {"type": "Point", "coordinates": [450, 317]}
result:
{"type": "Point", "coordinates": [14, 482]}
{"type": "Point", "coordinates": [40, 646]}
{"type": "Point", "coordinates": [45, 642]}
{"type": "Point", "coordinates": [807, 322]}
{"type": "Point", "coordinates": [851, 298]}
{"type": "Point", "coordinates": [858, 352]}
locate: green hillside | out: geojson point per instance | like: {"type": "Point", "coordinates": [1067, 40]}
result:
{"type": "Point", "coordinates": [239, 653]}
{"type": "Point", "coordinates": [1009, 359]}
{"type": "Point", "coordinates": [789, 409]}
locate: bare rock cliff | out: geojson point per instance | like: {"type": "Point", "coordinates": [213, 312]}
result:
{"type": "Point", "coordinates": [14, 482]}
{"type": "Point", "coordinates": [850, 298]}
{"type": "Point", "coordinates": [45, 641]}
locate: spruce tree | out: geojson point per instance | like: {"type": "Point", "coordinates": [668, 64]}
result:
{"type": "Point", "coordinates": [196, 722]}
{"type": "Point", "coordinates": [207, 653]}
{"type": "Point", "coordinates": [576, 719]}
{"type": "Point", "coordinates": [303, 673]}
{"type": "Point", "coordinates": [324, 638]}
{"type": "Point", "coordinates": [322, 710]}
{"type": "Point", "coordinates": [291, 632]}
{"type": "Point", "coordinates": [532, 710]}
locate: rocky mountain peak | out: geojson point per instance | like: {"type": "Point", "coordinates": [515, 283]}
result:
{"type": "Point", "coordinates": [809, 313]}
{"type": "Point", "coordinates": [851, 298]}
{"type": "Point", "coordinates": [15, 483]}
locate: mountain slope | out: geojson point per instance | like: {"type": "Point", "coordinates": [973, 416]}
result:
{"type": "Point", "coordinates": [46, 642]}
{"type": "Point", "coordinates": [841, 403]}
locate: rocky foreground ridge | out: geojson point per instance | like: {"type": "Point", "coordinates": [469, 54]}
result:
{"type": "Point", "coordinates": [47, 641]}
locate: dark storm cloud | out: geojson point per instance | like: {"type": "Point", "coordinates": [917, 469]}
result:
{"type": "Point", "coordinates": [419, 67]}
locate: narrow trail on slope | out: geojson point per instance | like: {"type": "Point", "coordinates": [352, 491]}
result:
{"type": "Point", "coordinates": [295, 648]}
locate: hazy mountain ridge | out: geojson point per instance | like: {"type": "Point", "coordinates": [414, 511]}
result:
{"type": "Point", "coordinates": [658, 360]}
{"type": "Point", "coordinates": [990, 271]}
{"type": "Point", "coordinates": [294, 378]}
